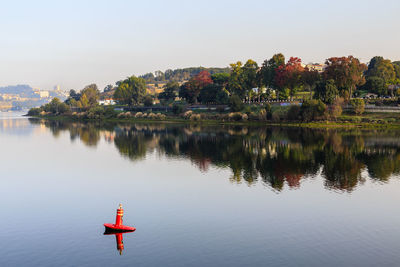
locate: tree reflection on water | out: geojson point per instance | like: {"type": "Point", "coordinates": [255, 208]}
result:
{"type": "Point", "coordinates": [277, 155]}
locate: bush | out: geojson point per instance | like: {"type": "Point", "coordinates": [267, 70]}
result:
{"type": "Point", "coordinates": [235, 116]}
{"type": "Point", "coordinates": [293, 113]}
{"type": "Point", "coordinates": [235, 103]}
{"type": "Point", "coordinates": [177, 109]}
{"type": "Point", "coordinates": [220, 109]}
{"type": "Point", "coordinates": [195, 117]}
{"type": "Point", "coordinates": [34, 112]}
{"type": "Point", "coordinates": [139, 115]}
{"type": "Point", "coordinates": [268, 111]}
{"type": "Point", "coordinates": [148, 101]}
{"type": "Point", "coordinates": [335, 110]}
{"type": "Point", "coordinates": [313, 110]}
{"type": "Point", "coordinates": [187, 114]}
{"type": "Point", "coordinates": [358, 106]}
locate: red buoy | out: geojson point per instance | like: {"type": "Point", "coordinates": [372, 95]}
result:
{"type": "Point", "coordinates": [118, 226]}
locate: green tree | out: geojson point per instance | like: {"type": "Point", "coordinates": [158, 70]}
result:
{"type": "Point", "coordinates": [358, 106]}
{"type": "Point", "coordinates": [266, 74]}
{"type": "Point", "coordinates": [235, 103]}
{"type": "Point", "coordinates": [249, 73]}
{"type": "Point", "coordinates": [376, 85]}
{"type": "Point", "coordinates": [170, 91]}
{"type": "Point", "coordinates": [220, 78]}
{"type": "Point", "coordinates": [92, 94]}
{"type": "Point", "coordinates": [236, 83]}
{"type": "Point", "coordinates": [310, 78]}
{"type": "Point", "coordinates": [382, 68]}
{"type": "Point", "coordinates": [130, 91]}
{"type": "Point", "coordinates": [326, 91]}
{"type": "Point", "coordinates": [148, 101]}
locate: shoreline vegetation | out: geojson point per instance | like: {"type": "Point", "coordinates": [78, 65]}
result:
{"type": "Point", "coordinates": [343, 92]}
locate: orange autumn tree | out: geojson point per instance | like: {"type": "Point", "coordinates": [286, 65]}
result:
{"type": "Point", "coordinates": [347, 72]}
{"type": "Point", "coordinates": [191, 89]}
{"type": "Point", "coordinates": [288, 77]}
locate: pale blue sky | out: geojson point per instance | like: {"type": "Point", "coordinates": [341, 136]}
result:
{"type": "Point", "coordinates": [75, 43]}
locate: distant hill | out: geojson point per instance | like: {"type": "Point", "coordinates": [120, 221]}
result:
{"type": "Point", "coordinates": [21, 89]}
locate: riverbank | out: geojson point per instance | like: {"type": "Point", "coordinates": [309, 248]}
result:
{"type": "Point", "coordinates": [368, 120]}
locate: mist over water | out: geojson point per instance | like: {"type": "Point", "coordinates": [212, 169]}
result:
{"type": "Point", "coordinates": [198, 195]}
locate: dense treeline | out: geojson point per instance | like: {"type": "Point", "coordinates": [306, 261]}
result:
{"type": "Point", "coordinates": [179, 75]}
{"type": "Point", "coordinates": [325, 90]}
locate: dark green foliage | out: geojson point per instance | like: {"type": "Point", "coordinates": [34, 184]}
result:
{"type": "Point", "coordinates": [130, 91]}
{"type": "Point", "coordinates": [34, 111]}
{"type": "Point", "coordinates": [56, 107]}
{"type": "Point", "coordinates": [326, 91]}
{"type": "Point", "coordinates": [220, 78]}
{"type": "Point", "coordinates": [177, 109]}
{"type": "Point", "coordinates": [293, 113]}
{"type": "Point", "coordinates": [148, 101]}
{"type": "Point", "coordinates": [268, 110]}
{"type": "Point", "coordinates": [170, 91]}
{"type": "Point", "coordinates": [376, 84]}
{"type": "Point", "coordinates": [235, 103]}
{"type": "Point", "coordinates": [312, 110]}
{"type": "Point", "coordinates": [180, 75]}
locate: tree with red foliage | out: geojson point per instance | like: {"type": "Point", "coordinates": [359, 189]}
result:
{"type": "Point", "coordinates": [191, 89]}
{"type": "Point", "coordinates": [288, 76]}
{"type": "Point", "coordinates": [347, 72]}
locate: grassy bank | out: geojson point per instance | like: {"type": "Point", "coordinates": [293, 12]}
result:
{"type": "Point", "coordinates": [368, 120]}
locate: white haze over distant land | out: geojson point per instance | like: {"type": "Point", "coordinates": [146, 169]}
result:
{"type": "Point", "coordinates": [75, 43]}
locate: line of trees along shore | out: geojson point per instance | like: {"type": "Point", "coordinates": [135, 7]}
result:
{"type": "Point", "coordinates": [341, 79]}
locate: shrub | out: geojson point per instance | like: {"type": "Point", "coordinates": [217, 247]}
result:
{"type": "Point", "coordinates": [195, 117]}
{"type": "Point", "coordinates": [275, 117]}
{"type": "Point", "coordinates": [139, 115]}
{"type": "Point", "coordinates": [177, 109]}
{"type": "Point", "coordinates": [312, 110]}
{"type": "Point", "coordinates": [235, 116]}
{"type": "Point", "coordinates": [293, 113]}
{"type": "Point", "coordinates": [358, 106]}
{"type": "Point", "coordinates": [148, 101]}
{"type": "Point", "coordinates": [220, 109]}
{"type": "Point", "coordinates": [245, 117]}
{"type": "Point", "coordinates": [268, 111]}
{"type": "Point", "coordinates": [335, 110]}
{"type": "Point", "coordinates": [34, 112]}
{"type": "Point", "coordinates": [187, 114]}
{"type": "Point", "coordinates": [235, 103]}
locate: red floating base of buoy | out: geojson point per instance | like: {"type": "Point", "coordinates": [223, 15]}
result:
{"type": "Point", "coordinates": [118, 228]}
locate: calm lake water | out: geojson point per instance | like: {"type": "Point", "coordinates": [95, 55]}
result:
{"type": "Point", "coordinates": [198, 196]}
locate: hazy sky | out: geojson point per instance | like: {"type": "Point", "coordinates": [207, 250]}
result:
{"type": "Point", "coordinates": [75, 43]}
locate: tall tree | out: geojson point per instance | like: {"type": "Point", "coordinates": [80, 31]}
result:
{"type": "Point", "coordinates": [191, 89]}
{"type": "Point", "coordinates": [236, 83]}
{"type": "Point", "coordinates": [310, 78]}
{"type": "Point", "coordinates": [347, 72]}
{"type": "Point", "coordinates": [92, 94]}
{"type": "Point", "coordinates": [326, 91]}
{"type": "Point", "coordinates": [289, 76]}
{"type": "Point", "coordinates": [170, 91]}
{"type": "Point", "coordinates": [249, 73]}
{"type": "Point", "coordinates": [131, 90]}
{"type": "Point", "coordinates": [382, 68]}
{"type": "Point", "coordinates": [268, 70]}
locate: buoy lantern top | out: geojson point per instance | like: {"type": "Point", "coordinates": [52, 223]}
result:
{"type": "Point", "coordinates": [120, 206]}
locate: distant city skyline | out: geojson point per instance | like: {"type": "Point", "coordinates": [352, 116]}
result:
{"type": "Point", "coordinates": [76, 43]}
